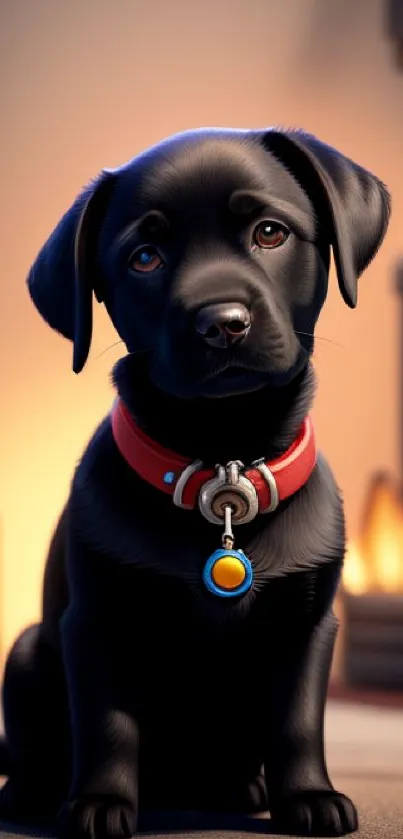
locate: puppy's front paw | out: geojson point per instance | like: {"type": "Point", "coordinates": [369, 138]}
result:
{"type": "Point", "coordinates": [97, 818]}
{"type": "Point", "coordinates": [315, 813]}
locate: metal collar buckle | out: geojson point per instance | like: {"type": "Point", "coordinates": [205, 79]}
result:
{"type": "Point", "coordinates": [230, 488]}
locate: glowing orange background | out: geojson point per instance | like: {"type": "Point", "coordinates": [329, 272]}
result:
{"type": "Point", "coordinates": [87, 85]}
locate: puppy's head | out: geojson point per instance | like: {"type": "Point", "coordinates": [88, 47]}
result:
{"type": "Point", "coordinates": [211, 254]}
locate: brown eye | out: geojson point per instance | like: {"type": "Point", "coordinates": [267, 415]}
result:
{"type": "Point", "coordinates": [270, 234]}
{"type": "Point", "coordinates": [145, 259]}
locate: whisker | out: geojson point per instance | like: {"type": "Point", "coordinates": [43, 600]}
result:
{"type": "Point", "coordinates": [320, 338]}
{"type": "Point", "coordinates": [132, 352]}
{"type": "Point", "coordinates": [111, 346]}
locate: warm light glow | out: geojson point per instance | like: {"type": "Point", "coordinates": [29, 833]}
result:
{"type": "Point", "coordinates": [374, 562]}
{"type": "Point", "coordinates": [355, 575]}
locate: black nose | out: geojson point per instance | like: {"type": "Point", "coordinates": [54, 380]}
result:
{"type": "Point", "coordinates": [223, 324]}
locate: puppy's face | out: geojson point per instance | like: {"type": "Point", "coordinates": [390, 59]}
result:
{"type": "Point", "coordinates": [211, 254]}
{"type": "Point", "coordinates": [213, 265]}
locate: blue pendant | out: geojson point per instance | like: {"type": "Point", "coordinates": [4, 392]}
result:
{"type": "Point", "coordinates": [228, 573]}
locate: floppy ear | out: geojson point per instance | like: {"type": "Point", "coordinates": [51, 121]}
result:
{"type": "Point", "coordinates": [65, 272]}
{"type": "Point", "coordinates": [353, 203]}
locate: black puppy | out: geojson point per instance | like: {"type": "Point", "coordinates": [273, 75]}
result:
{"type": "Point", "coordinates": [187, 633]}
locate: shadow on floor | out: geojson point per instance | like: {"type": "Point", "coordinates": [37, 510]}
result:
{"type": "Point", "coordinates": [171, 824]}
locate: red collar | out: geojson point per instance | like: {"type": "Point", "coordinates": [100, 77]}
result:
{"type": "Point", "coordinates": [175, 475]}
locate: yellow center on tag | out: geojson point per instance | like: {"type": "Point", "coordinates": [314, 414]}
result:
{"type": "Point", "coordinates": [228, 572]}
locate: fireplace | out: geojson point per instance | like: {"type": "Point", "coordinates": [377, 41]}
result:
{"type": "Point", "coordinates": [369, 654]}
{"type": "Point", "coordinates": [371, 598]}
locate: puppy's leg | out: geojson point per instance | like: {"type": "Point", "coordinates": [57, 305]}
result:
{"type": "Point", "coordinates": [104, 790]}
{"type": "Point", "coordinates": [37, 731]}
{"type": "Point", "coordinates": [302, 799]}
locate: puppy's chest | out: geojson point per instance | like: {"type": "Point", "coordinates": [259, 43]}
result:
{"type": "Point", "coordinates": [179, 543]}
{"type": "Point", "coordinates": [191, 667]}
{"type": "Point", "coordinates": [222, 636]}
{"type": "Point", "coordinates": [199, 659]}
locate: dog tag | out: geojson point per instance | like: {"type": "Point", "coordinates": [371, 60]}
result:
{"type": "Point", "coordinates": [228, 572]}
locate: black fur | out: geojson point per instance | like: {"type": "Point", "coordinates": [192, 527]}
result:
{"type": "Point", "coordinates": [140, 689]}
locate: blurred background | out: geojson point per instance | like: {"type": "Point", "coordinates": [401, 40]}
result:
{"type": "Point", "coordinates": [88, 85]}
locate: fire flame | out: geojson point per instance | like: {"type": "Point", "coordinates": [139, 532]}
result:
{"type": "Point", "coordinates": [374, 561]}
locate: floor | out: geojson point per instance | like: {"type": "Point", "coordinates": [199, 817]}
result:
{"type": "Point", "coordinates": [365, 760]}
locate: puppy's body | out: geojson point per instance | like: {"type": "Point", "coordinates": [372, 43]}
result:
{"type": "Point", "coordinates": [168, 695]}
